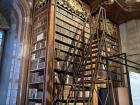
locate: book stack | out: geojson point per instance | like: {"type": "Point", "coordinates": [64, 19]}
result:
{"type": "Point", "coordinates": [34, 65]}
{"type": "Point", "coordinates": [38, 63]}
{"type": "Point", "coordinates": [36, 78]}
{"type": "Point", "coordinates": [40, 36]}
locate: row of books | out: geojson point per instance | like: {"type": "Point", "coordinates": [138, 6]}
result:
{"type": "Point", "coordinates": [73, 22]}
{"type": "Point", "coordinates": [67, 26]}
{"type": "Point", "coordinates": [39, 54]}
{"type": "Point", "coordinates": [68, 40]}
{"type": "Point", "coordinates": [38, 64]}
{"type": "Point", "coordinates": [58, 65]}
{"type": "Point", "coordinates": [60, 54]}
{"type": "Point", "coordinates": [109, 48]}
{"type": "Point", "coordinates": [60, 16]}
{"type": "Point", "coordinates": [40, 17]}
{"type": "Point", "coordinates": [66, 48]}
{"type": "Point", "coordinates": [112, 37]}
{"type": "Point", "coordinates": [115, 45]}
{"type": "Point", "coordinates": [71, 34]}
{"type": "Point", "coordinates": [63, 65]}
{"type": "Point", "coordinates": [67, 32]}
{"type": "Point", "coordinates": [69, 14]}
{"type": "Point", "coordinates": [67, 89]}
{"type": "Point", "coordinates": [108, 51]}
{"type": "Point", "coordinates": [34, 103]}
{"type": "Point", "coordinates": [38, 37]}
{"type": "Point", "coordinates": [109, 42]}
{"type": "Point", "coordinates": [40, 23]}
{"type": "Point", "coordinates": [71, 27]}
{"type": "Point", "coordinates": [39, 45]}
{"type": "Point", "coordinates": [63, 55]}
{"type": "Point", "coordinates": [35, 94]}
{"type": "Point", "coordinates": [40, 29]}
{"type": "Point", "coordinates": [59, 79]}
{"type": "Point", "coordinates": [36, 78]}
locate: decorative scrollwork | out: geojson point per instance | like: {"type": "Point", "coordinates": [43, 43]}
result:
{"type": "Point", "coordinates": [40, 3]}
{"type": "Point", "coordinates": [75, 5]}
{"type": "Point", "coordinates": [110, 28]}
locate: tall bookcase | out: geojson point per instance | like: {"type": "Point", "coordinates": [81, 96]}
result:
{"type": "Point", "coordinates": [37, 67]}
{"type": "Point", "coordinates": [72, 33]}
{"type": "Point", "coordinates": [60, 32]}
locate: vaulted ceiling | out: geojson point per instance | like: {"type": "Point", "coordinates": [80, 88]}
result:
{"type": "Point", "coordinates": [120, 11]}
{"type": "Point", "coordinates": [5, 8]}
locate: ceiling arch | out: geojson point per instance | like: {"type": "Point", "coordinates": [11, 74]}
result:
{"type": "Point", "coordinates": [3, 22]}
{"type": "Point", "coordinates": [120, 11]}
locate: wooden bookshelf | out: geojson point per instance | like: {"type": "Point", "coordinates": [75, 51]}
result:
{"type": "Point", "coordinates": [68, 46]}
{"type": "Point", "coordinates": [37, 67]}
{"type": "Point", "coordinates": [59, 36]}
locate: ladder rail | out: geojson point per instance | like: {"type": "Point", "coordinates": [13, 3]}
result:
{"type": "Point", "coordinates": [74, 72]}
{"type": "Point", "coordinates": [94, 75]}
{"type": "Point", "coordinates": [65, 67]}
{"type": "Point", "coordinates": [80, 82]}
{"type": "Point", "coordinates": [85, 56]}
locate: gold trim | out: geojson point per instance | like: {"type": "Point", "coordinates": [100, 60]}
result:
{"type": "Point", "coordinates": [75, 5]}
{"type": "Point", "coordinates": [40, 3]}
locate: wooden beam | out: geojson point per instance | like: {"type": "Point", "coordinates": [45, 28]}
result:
{"type": "Point", "coordinates": [50, 55]}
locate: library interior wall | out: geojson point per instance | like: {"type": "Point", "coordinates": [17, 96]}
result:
{"type": "Point", "coordinates": [130, 39]}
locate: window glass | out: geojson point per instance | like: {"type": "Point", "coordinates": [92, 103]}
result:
{"type": "Point", "coordinates": [135, 84]}
{"type": "Point", "coordinates": [0, 42]}
{"type": "Point", "coordinates": [1, 36]}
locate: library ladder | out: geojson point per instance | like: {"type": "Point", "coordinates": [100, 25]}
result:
{"type": "Point", "coordinates": [82, 90]}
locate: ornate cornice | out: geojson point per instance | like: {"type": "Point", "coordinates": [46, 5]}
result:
{"type": "Point", "coordinates": [40, 3]}
{"type": "Point", "coordinates": [73, 5]}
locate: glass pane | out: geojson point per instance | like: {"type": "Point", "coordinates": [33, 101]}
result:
{"type": "Point", "coordinates": [135, 84]}
{"type": "Point", "coordinates": [0, 42]}
{"type": "Point", "coordinates": [1, 34]}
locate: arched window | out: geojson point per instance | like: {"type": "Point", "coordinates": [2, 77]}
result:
{"type": "Point", "coordinates": [1, 43]}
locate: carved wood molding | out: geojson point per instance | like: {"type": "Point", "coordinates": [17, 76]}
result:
{"type": "Point", "coordinates": [75, 6]}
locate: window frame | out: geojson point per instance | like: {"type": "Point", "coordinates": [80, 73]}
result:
{"type": "Point", "coordinates": [2, 44]}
